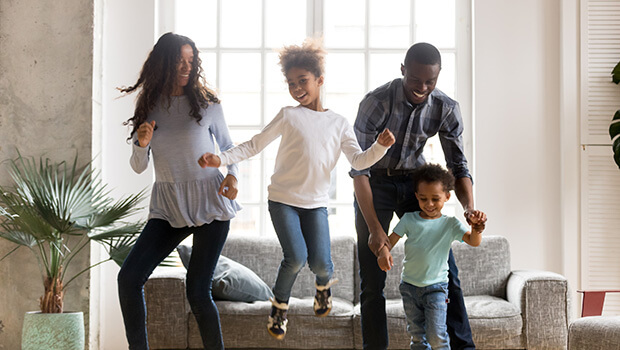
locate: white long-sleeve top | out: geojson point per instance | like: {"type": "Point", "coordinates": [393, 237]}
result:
{"type": "Point", "coordinates": [310, 147]}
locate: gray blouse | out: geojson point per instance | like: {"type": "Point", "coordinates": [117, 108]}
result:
{"type": "Point", "coordinates": [184, 194]}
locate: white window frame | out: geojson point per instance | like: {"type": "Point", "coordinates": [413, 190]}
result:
{"type": "Point", "coordinates": [164, 22]}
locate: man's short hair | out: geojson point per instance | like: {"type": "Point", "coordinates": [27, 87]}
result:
{"type": "Point", "coordinates": [423, 53]}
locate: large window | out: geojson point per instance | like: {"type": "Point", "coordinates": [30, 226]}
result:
{"type": "Point", "coordinates": [366, 41]}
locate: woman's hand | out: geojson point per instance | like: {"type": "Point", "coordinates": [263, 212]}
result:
{"type": "Point", "coordinates": [209, 160]}
{"type": "Point", "coordinates": [228, 188]}
{"type": "Point", "coordinates": [145, 133]}
{"type": "Point", "coordinates": [386, 138]}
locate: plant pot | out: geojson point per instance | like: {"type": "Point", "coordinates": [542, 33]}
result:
{"type": "Point", "coordinates": [63, 331]}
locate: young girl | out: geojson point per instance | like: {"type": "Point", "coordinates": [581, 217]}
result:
{"type": "Point", "coordinates": [424, 281]}
{"type": "Point", "coordinates": [312, 139]}
{"type": "Point", "coordinates": [175, 119]}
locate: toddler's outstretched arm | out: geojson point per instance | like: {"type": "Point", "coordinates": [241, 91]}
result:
{"type": "Point", "coordinates": [474, 237]}
{"type": "Point", "coordinates": [209, 160]}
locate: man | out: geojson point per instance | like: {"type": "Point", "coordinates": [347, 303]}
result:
{"type": "Point", "coordinates": [414, 111]}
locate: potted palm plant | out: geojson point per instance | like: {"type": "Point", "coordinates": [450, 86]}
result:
{"type": "Point", "coordinates": [56, 210]}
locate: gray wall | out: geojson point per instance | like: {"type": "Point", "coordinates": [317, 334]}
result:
{"type": "Point", "coordinates": [46, 72]}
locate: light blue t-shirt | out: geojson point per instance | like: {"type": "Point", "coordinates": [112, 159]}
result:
{"type": "Point", "coordinates": [427, 247]}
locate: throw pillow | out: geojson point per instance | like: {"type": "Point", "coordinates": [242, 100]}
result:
{"type": "Point", "coordinates": [232, 280]}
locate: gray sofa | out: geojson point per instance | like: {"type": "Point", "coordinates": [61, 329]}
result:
{"type": "Point", "coordinates": [507, 309]}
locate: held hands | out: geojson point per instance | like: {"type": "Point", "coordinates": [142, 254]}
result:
{"type": "Point", "coordinates": [378, 240]}
{"type": "Point", "coordinates": [228, 188]}
{"type": "Point", "coordinates": [209, 160]}
{"type": "Point", "coordinates": [145, 133]}
{"type": "Point", "coordinates": [477, 219]}
{"type": "Point", "coordinates": [385, 259]}
{"type": "Point", "coordinates": [386, 138]}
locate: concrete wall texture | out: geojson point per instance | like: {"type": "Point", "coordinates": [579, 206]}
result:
{"type": "Point", "coordinates": [46, 72]}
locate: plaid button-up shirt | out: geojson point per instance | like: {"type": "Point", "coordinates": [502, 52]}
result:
{"type": "Point", "coordinates": [387, 107]}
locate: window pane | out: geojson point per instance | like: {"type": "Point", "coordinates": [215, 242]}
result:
{"type": "Point", "coordinates": [435, 22]}
{"type": "Point", "coordinates": [190, 12]}
{"type": "Point", "coordinates": [342, 220]}
{"type": "Point", "coordinates": [343, 24]}
{"type": "Point", "coordinates": [389, 23]}
{"type": "Point", "coordinates": [344, 73]}
{"type": "Point", "coordinates": [447, 76]}
{"type": "Point", "coordinates": [249, 170]}
{"type": "Point", "coordinates": [209, 66]}
{"type": "Point", "coordinates": [384, 68]}
{"type": "Point", "coordinates": [274, 78]}
{"type": "Point", "coordinates": [240, 84]}
{"type": "Point", "coordinates": [285, 22]}
{"type": "Point", "coordinates": [247, 221]}
{"type": "Point", "coordinates": [344, 83]}
{"type": "Point", "coordinates": [241, 23]}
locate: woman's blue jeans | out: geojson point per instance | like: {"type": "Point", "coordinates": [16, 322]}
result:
{"type": "Point", "coordinates": [154, 244]}
{"type": "Point", "coordinates": [304, 236]}
{"type": "Point", "coordinates": [426, 309]}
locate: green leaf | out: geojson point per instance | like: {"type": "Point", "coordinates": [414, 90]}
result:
{"type": "Point", "coordinates": [616, 148]}
{"type": "Point", "coordinates": [616, 74]}
{"type": "Point", "coordinates": [19, 238]}
{"type": "Point", "coordinates": [614, 127]}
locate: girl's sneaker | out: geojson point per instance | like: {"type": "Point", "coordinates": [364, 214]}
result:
{"type": "Point", "coordinates": [323, 299]}
{"type": "Point", "coordinates": [277, 319]}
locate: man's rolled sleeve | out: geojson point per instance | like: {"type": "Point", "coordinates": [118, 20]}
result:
{"type": "Point", "coordinates": [451, 137]}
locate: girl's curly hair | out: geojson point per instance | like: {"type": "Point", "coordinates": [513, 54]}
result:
{"type": "Point", "coordinates": [309, 56]}
{"type": "Point", "coordinates": [157, 78]}
{"type": "Point", "coordinates": [433, 173]}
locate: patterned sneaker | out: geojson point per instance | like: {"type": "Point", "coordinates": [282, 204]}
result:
{"type": "Point", "coordinates": [323, 299]}
{"type": "Point", "coordinates": [277, 319]}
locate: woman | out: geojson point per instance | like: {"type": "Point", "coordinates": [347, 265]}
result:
{"type": "Point", "coordinates": [176, 118]}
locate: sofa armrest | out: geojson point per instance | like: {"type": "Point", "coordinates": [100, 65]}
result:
{"type": "Point", "coordinates": [167, 311]}
{"type": "Point", "coordinates": [543, 299]}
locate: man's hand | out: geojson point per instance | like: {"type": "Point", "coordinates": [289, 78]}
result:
{"type": "Point", "coordinates": [385, 259]}
{"type": "Point", "coordinates": [386, 138]}
{"type": "Point", "coordinates": [378, 240]}
{"type": "Point", "coordinates": [228, 188]}
{"type": "Point", "coordinates": [145, 133]}
{"type": "Point", "coordinates": [476, 218]}
{"type": "Point", "coordinates": [209, 160]}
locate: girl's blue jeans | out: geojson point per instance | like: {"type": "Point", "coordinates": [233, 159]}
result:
{"type": "Point", "coordinates": [426, 309]}
{"type": "Point", "coordinates": [304, 236]}
{"type": "Point", "coordinates": [154, 244]}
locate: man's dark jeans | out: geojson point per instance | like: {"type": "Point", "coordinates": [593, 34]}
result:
{"type": "Point", "coordinates": [395, 194]}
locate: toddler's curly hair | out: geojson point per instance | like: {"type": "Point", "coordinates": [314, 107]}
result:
{"type": "Point", "coordinates": [309, 56]}
{"type": "Point", "coordinates": [432, 173]}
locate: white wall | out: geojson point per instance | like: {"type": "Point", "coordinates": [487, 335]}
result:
{"type": "Point", "coordinates": [517, 126]}
{"type": "Point", "coordinates": [128, 36]}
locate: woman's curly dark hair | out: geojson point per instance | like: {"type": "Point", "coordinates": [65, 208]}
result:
{"type": "Point", "coordinates": [158, 75]}
{"type": "Point", "coordinates": [433, 173]}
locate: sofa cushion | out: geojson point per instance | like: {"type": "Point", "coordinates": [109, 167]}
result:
{"type": "Point", "coordinates": [483, 270]}
{"type": "Point", "coordinates": [245, 326]}
{"type": "Point", "coordinates": [493, 317]}
{"type": "Point", "coordinates": [232, 280]}
{"type": "Point", "coordinates": [264, 254]}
